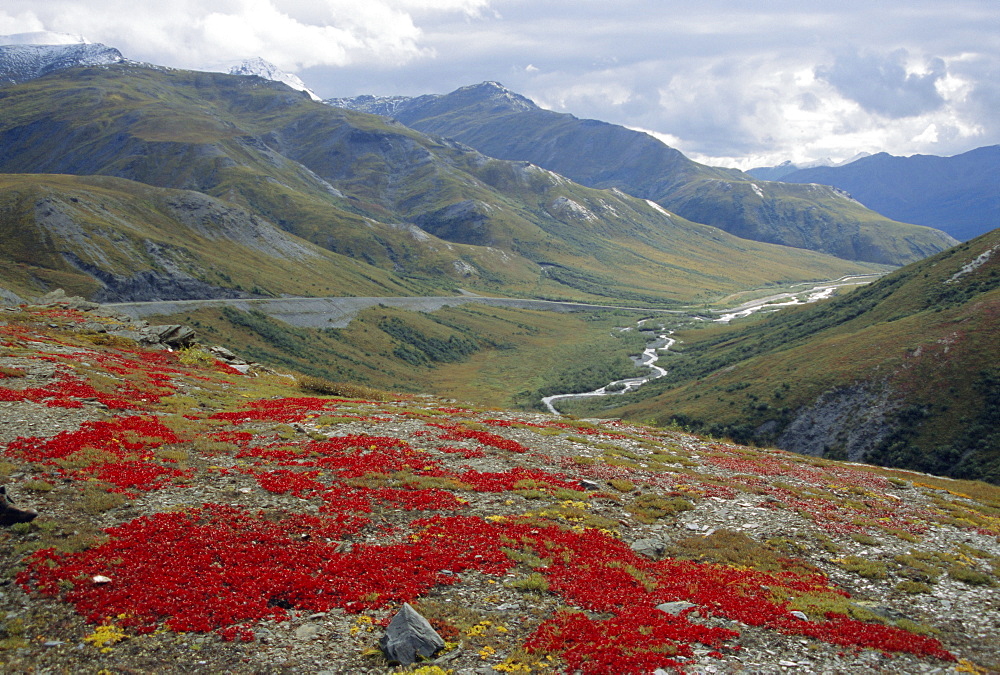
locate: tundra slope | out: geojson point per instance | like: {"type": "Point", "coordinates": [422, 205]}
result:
{"type": "Point", "coordinates": [529, 541]}
{"type": "Point", "coordinates": [902, 372]}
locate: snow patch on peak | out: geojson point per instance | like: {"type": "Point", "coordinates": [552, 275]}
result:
{"type": "Point", "coordinates": [496, 92]}
{"type": "Point", "coordinates": [23, 62]}
{"type": "Point", "coordinates": [267, 70]}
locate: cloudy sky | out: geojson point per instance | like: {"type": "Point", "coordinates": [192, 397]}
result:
{"type": "Point", "coordinates": [728, 82]}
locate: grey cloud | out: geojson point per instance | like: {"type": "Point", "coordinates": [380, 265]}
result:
{"type": "Point", "coordinates": [880, 84]}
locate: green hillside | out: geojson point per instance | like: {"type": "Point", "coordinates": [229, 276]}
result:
{"type": "Point", "coordinates": [492, 356]}
{"type": "Point", "coordinates": [902, 372]}
{"type": "Point", "coordinates": [423, 211]}
{"type": "Point", "coordinates": [502, 124]}
{"type": "Point", "coordinates": [112, 239]}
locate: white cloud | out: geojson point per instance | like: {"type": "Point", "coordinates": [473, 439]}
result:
{"type": "Point", "coordinates": [293, 34]}
{"type": "Point", "coordinates": [723, 80]}
{"type": "Point", "coordinates": [24, 22]}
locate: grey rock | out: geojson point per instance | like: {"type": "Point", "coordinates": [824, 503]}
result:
{"type": "Point", "coordinates": [307, 631]}
{"type": "Point", "coordinates": [223, 353]}
{"type": "Point", "coordinates": [589, 484]}
{"type": "Point", "coordinates": [651, 548]}
{"type": "Point", "coordinates": [51, 297]}
{"type": "Point", "coordinates": [409, 635]}
{"type": "Point", "coordinates": [854, 418]}
{"type": "Point", "coordinates": [675, 608]}
{"type": "Point", "coordinates": [172, 335]}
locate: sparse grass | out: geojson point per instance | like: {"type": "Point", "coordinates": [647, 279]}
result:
{"type": "Point", "coordinates": [195, 356]}
{"type": "Point", "coordinates": [735, 548]}
{"type": "Point", "coordinates": [865, 539]}
{"type": "Point", "coordinates": [622, 485]}
{"type": "Point", "coordinates": [97, 499]}
{"type": "Point", "coordinates": [869, 569]}
{"type": "Point", "coordinates": [318, 385]}
{"type": "Point", "coordinates": [913, 587]}
{"type": "Point", "coordinates": [532, 583]}
{"type": "Point", "coordinates": [970, 575]}
{"type": "Point", "coordinates": [649, 508]}
{"type": "Point", "coordinates": [38, 485]}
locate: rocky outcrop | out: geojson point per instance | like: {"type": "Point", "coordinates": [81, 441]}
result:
{"type": "Point", "coordinates": [150, 285]}
{"type": "Point", "coordinates": [843, 423]}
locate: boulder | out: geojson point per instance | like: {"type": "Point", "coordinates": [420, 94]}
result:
{"type": "Point", "coordinates": [174, 336]}
{"type": "Point", "coordinates": [651, 548]}
{"type": "Point", "coordinates": [675, 608]}
{"type": "Point", "coordinates": [409, 635]}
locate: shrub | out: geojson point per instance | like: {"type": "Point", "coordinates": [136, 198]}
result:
{"type": "Point", "coordinates": [650, 508]}
{"type": "Point", "coordinates": [319, 385]}
{"type": "Point", "coordinates": [969, 575]}
{"type": "Point", "coordinates": [533, 583]}
{"type": "Point", "coordinates": [912, 587]}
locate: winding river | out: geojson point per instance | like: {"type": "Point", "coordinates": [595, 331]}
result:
{"type": "Point", "coordinates": [648, 359]}
{"type": "Point", "coordinates": [663, 342]}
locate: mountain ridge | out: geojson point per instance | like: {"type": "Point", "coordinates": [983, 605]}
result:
{"type": "Point", "coordinates": [420, 207]}
{"type": "Point", "coordinates": [24, 62]}
{"type": "Point", "coordinates": [958, 194]}
{"type": "Point", "coordinates": [503, 124]}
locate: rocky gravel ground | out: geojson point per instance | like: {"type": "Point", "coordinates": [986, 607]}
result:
{"type": "Point", "coordinates": [916, 554]}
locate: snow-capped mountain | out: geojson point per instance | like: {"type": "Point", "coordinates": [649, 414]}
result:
{"type": "Point", "coordinates": [261, 68]}
{"type": "Point", "coordinates": [785, 168]}
{"type": "Point", "coordinates": [386, 106]}
{"type": "Point", "coordinates": [485, 93]}
{"type": "Point", "coordinates": [25, 56]}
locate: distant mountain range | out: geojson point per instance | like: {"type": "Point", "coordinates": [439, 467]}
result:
{"type": "Point", "coordinates": [781, 170]}
{"type": "Point", "coordinates": [503, 124]}
{"type": "Point", "coordinates": [959, 195]}
{"type": "Point", "coordinates": [126, 181]}
{"type": "Point", "coordinates": [343, 191]}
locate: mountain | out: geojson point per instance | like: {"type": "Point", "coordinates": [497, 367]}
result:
{"type": "Point", "coordinates": [960, 194]}
{"type": "Point", "coordinates": [111, 239]}
{"type": "Point", "coordinates": [25, 56]}
{"type": "Point", "coordinates": [773, 172]}
{"type": "Point", "coordinates": [902, 372]}
{"type": "Point", "coordinates": [781, 170]}
{"type": "Point", "coordinates": [428, 212]}
{"type": "Point", "coordinates": [261, 68]}
{"type": "Point", "coordinates": [503, 124]}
